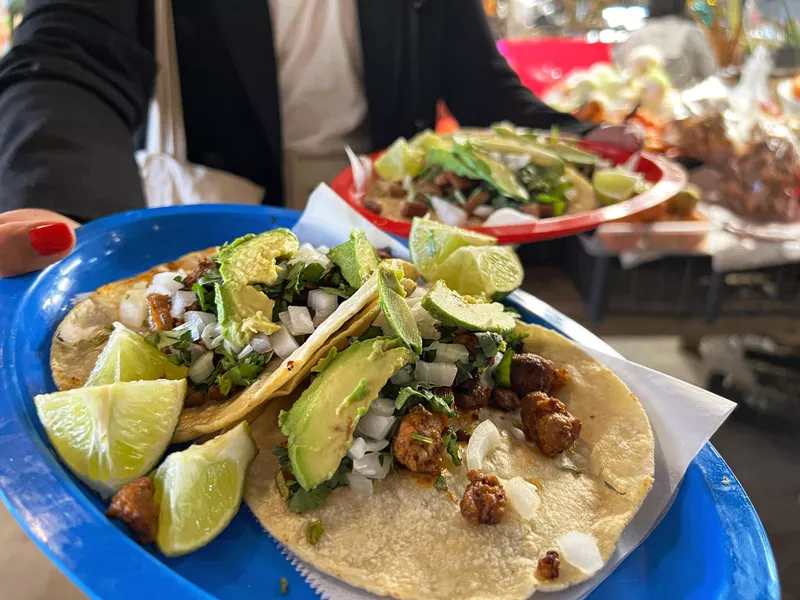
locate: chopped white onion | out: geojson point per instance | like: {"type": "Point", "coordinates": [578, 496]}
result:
{"type": "Point", "coordinates": [161, 290]}
{"type": "Point", "coordinates": [200, 318]}
{"type": "Point", "coordinates": [180, 302]}
{"type": "Point", "coordinates": [375, 445]}
{"type": "Point", "coordinates": [518, 434]}
{"type": "Point", "coordinates": [202, 367]}
{"type": "Point", "coordinates": [380, 321]}
{"type": "Point", "coordinates": [412, 302]}
{"type": "Point", "coordinates": [323, 249]}
{"type": "Point", "coordinates": [359, 484]}
{"type": "Point", "coordinates": [436, 374]}
{"type": "Point", "coordinates": [486, 379]}
{"type": "Point", "coordinates": [425, 322]}
{"type": "Point", "coordinates": [167, 280]}
{"type": "Point", "coordinates": [309, 256]}
{"type": "Point", "coordinates": [402, 376]}
{"type": "Point", "coordinates": [419, 292]}
{"type": "Point", "coordinates": [358, 449]}
{"type": "Point", "coordinates": [246, 351]}
{"type": "Point", "coordinates": [283, 343]}
{"type": "Point", "coordinates": [232, 348]}
{"type": "Point", "coordinates": [484, 211]}
{"type": "Point", "coordinates": [515, 162]}
{"type": "Point", "coordinates": [581, 551]}
{"type": "Point", "coordinates": [322, 301]}
{"type": "Point", "coordinates": [361, 167]}
{"type": "Point", "coordinates": [450, 353]}
{"type": "Point", "coordinates": [522, 496]}
{"type": "Point", "coordinates": [297, 320]}
{"type": "Point", "coordinates": [483, 440]}
{"type": "Point", "coordinates": [508, 216]}
{"type": "Point", "coordinates": [448, 213]}
{"type": "Point", "coordinates": [211, 335]}
{"type": "Point", "coordinates": [261, 343]}
{"type": "Point", "coordinates": [196, 329]}
{"type": "Point", "coordinates": [320, 316]}
{"type": "Point", "coordinates": [375, 426]}
{"type": "Point", "coordinates": [370, 465]}
{"type": "Point", "coordinates": [382, 406]}
{"type": "Point", "coordinates": [133, 308]}
{"type": "Point", "coordinates": [196, 351]}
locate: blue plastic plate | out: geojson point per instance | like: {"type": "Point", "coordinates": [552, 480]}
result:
{"type": "Point", "coordinates": [711, 543]}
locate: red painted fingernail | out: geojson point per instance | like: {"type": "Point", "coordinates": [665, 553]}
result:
{"type": "Point", "coordinates": [50, 239]}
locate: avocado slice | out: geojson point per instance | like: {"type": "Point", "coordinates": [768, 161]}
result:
{"type": "Point", "coordinates": [399, 316]}
{"type": "Point", "coordinates": [356, 257]}
{"type": "Point", "coordinates": [242, 310]}
{"type": "Point", "coordinates": [513, 143]}
{"type": "Point", "coordinates": [320, 425]}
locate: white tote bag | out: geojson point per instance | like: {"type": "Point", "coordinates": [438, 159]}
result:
{"type": "Point", "coordinates": [167, 176]}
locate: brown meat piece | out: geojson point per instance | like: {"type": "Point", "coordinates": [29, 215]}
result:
{"type": "Point", "coordinates": [194, 397]}
{"type": "Point", "coordinates": [462, 435]}
{"type": "Point", "coordinates": [418, 455]}
{"type": "Point", "coordinates": [372, 205]}
{"type": "Point", "coordinates": [136, 506]}
{"type": "Point", "coordinates": [505, 398]}
{"type": "Point", "coordinates": [195, 275]}
{"type": "Point", "coordinates": [477, 199]}
{"type": "Point", "coordinates": [396, 190]}
{"type": "Point", "coordinates": [469, 341]}
{"type": "Point", "coordinates": [484, 501]}
{"type": "Point", "coordinates": [414, 209]}
{"type": "Point", "coordinates": [455, 181]}
{"type": "Point", "coordinates": [546, 422]}
{"type": "Point", "coordinates": [215, 395]}
{"type": "Point", "coordinates": [548, 566]}
{"type": "Point", "coordinates": [540, 211]}
{"type": "Point", "coordinates": [531, 373]}
{"type": "Point", "coordinates": [159, 317]}
{"type": "Point", "coordinates": [428, 187]}
{"type": "Point", "coordinates": [471, 395]}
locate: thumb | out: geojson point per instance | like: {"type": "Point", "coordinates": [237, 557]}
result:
{"type": "Point", "coordinates": [27, 246]}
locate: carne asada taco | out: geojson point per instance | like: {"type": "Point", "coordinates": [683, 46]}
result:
{"type": "Point", "coordinates": [240, 321]}
{"type": "Point", "coordinates": [497, 461]}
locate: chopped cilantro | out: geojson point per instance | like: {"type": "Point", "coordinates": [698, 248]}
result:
{"type": "Point", "coordinates": [152, 339]}
{"type": "Point", "coordinates": [205, 298]}
{"type": "Point", "coordinates": [421, 438]}
{"type": "Point", "coordinates": [465, 372]}
{"type": "Point", "coordinates": [234, 373]}
{"type": "Point", "coordinates": [314, 531]}
{"type": "Point", "coordinates": [451, 446]}
{"type": "Point", "coordinates": [491, 343]}
{"type": "Point", "coordinates": [302, 501]}
{"type": "Point", "coordinates": [440, 484]}
{"type": "Point", "coordinates": [211, 275]}
{"type": "Point", "coordinates": [175, 359]}
{"type": "Point", "coordinates": [411, 395]}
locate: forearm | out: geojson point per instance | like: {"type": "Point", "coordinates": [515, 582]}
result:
{"type": "Point", "coordinates": [72, 89]}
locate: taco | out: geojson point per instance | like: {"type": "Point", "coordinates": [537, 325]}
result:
{"type": "Point", "coordinates": [499, 461]}
{"type": "Point", "coordinates": [241, 321]}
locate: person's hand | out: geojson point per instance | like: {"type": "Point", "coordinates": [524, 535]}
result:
{"type": "Point", "coordinates": [31, 239]}
{"type": "Point", "coordinates": [626, 137]}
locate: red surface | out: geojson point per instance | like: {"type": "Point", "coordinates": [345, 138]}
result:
{"type": "Point", "coordinates": [668, 177]}
{"type": "Point", "coordinates": [542, 62]}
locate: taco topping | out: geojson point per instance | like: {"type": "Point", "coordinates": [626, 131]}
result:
{"type": "Point", "coordinates": [484, 501]}
{"type": "Point", "coordinates": [471, 395]}
{"type": "Point", "coordinates": [547, 423]}
{"type": "Point", "coordinates": [505, 399]}
{"type": "Point", "coordinates": [418, 445]}
{"type": "Point", "coordinates": [531, 373]}
{"type": "Point", "coordinates": [547, 568]}
{"type": "Point", "coordinates": [158, 312]}
{"type": "Point", "coordinates": [136, 506]}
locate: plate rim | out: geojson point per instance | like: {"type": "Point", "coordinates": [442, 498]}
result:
{"type": "Point", "coordinates": [20, 440]}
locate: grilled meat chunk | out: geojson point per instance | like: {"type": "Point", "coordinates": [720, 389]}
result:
{"type": "Point", "coordinates": [546, 422]}
{"type": "Point", "coordinates": [548, 566]}
{"type": "Point", "coordinates": [418, 444]}
{"type": "Point", "coordinates": [471, 395]}
{"type": "Point", "coordinates": [505, 398]}
{"type": "Point", "coordinates": [531, 373]}
{"type": "Point", "coordinates": [484, 501]}
{"type": "Point", "coordinates": [135, 505]}
{"type": "Point", "coordinates": [159, 316]}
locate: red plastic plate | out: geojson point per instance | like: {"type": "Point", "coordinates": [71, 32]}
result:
{"type": "Point", "coordinates": [668, 177]}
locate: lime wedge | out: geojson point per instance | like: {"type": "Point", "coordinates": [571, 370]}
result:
{"type": "Point", "coordinates": [614, 185]}
{"type": "Point", "coordinates": [452, 309]}
{"type": "Point", "coordinates": [356, 257]}
{"type": "Point", "coordinates": [200, 490]}
{"type": "Point", "coordinates": [491, 271]}
{"type": "Point", "coordinates": [425, 140]}
{"type": "Point", "coordinates": [398, 314]}
{"type": "Point", "coordinates": [400, 160]}
{"type": "Point", "coordinates": [430, 243]}
{"type": "Point", "coordinates": [127, 357]}
{"type": "Point", "coordinates": [109, 435]}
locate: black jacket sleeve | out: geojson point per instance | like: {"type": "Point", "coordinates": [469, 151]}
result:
{"type": "Point", "coordinates": [480, 88]}
{"type": "Point", "coordinates": [72, 89]}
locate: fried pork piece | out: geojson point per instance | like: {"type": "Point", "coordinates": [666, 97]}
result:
{"type": "Point", "coordinates": [548, 566]}
{"type": "Point", "coordinates": [198, 273]}
{"type": "Point", "coordinates": [505, 398]}
{"type": "Point", "coordinates": [418, 444]}
{"type": "Point", "coordinates": [414, 208]}
{"type": "Point", "coordinates": [546, 422]}
{"type": "Point", "coordinates": [159, 316]}
{"type": "Point", "coordinates": [372, 205]}
{"type": "Point", "coordinates": [136, 506]}
{"type": "Point", "coordinates": [531, 373]}
{"type": "Point", "coordinates": [484, 501]}
{"type": "Point", "coordinates": [471, 395]}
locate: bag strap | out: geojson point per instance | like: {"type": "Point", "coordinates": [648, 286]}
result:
{"type": "Point", "coordinates": [165, 128]}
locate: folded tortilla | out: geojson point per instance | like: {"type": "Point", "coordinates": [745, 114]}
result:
{"type": "Point", "coordinates": [409, 540]}
{"type": "Point", "coordinates": [83, 334]}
